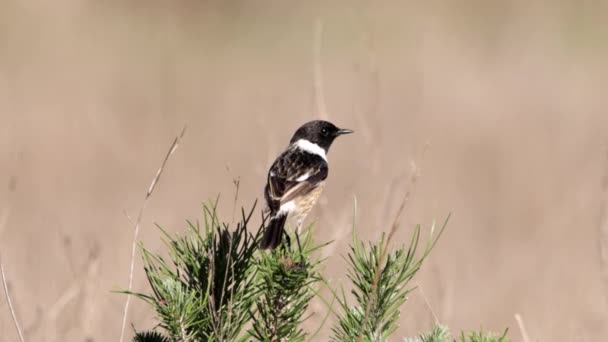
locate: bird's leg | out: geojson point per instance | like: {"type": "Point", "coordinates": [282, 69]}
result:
{"type": "Point", "coordinates": [297, 233]}
{"type": "Point", "coordinates": [287, 239]}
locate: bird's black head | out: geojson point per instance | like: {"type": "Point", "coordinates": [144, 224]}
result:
{"type": "Point", "coordinates": [319, 132]}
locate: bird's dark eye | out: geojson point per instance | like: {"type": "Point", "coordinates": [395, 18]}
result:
{"type": "Point", "coordinates": [324, 131]}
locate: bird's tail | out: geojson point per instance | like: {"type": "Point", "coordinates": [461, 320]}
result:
{"type": "Point", "coordinates": [273, 235]}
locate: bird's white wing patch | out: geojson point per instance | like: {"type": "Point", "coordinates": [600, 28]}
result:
{"type": "Point", "coordinates": [310, 147]}
{"type": "Point", "coordinates": [286, 208]}
{"type": "Point", "coordinates": [303, 177]}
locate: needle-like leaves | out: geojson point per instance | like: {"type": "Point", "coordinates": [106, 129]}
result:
{"type": "Point", "coordinates": [381, 303]}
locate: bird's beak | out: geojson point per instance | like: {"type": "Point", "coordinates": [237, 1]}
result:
{"type": "Point", "coordinates": [344, 131]}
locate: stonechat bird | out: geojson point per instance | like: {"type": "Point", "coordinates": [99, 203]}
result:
{"type": "Point", "coordinates": [297, 177]}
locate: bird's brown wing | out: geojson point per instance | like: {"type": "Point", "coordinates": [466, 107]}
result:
{"type": "Point", "coordinates": [298, 190]}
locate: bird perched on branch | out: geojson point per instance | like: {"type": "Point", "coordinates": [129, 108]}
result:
{"type": "Point", "coordinates": [296, 178]}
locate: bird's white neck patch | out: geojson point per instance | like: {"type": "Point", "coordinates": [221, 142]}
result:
{"type": "Point", "coordinates": [310, 147]}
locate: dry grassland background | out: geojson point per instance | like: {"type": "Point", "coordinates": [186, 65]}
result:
{"type": "Point", "coordinates": [509, 100]}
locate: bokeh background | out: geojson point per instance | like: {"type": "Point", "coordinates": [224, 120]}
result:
{"type": "Point", "coordinates": [500, 106]}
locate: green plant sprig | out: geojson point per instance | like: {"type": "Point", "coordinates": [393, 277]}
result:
{"type": "Point", "coordinates": [379, 296]}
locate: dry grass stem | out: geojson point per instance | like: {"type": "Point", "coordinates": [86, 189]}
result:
{"type": "Point", "coordinates": [236, 181]}
{"type": "Point", "coordinates": [395, 225]}
{"type": "Point", "coordinates": [10, 304]}
{"type": "Point", "coordinates": [428, 304]}
{"type": "Point", "coordinates": [173, 148]}
{"type": "Point", "coordinates": [318, 71]}
{"type": "Point", "coordinates": [524, 334]}
{"type": "Point", "coordinates": [603, 227]}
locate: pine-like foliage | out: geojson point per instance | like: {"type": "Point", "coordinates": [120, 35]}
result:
{"type": "Point", "coordinates": [206, 290]}
{"type": "Point", "coordinates": [441, 333]}
{"type": "Point", "coordinates": [438, 334]}
{"type": "Point", "coordinates": [150, 336]}
{"type": "Point", "coordinates": [379, 297]}
{"type": "Point", "coordinates": [215, 284]}
{"type": "Point", "coordinates": [480, 336]}
{"type": "Point", "coordinates": [286, 278]}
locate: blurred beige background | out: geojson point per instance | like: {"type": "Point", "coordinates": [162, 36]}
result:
{"type": "Point", "coordinates": [510, 98]}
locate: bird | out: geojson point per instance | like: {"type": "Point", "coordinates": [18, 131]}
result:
{"type": "Point", "coordinates": [297, 177]}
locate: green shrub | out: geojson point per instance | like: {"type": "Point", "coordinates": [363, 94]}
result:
{"type": "Point", "coordinates": [216, 285]}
